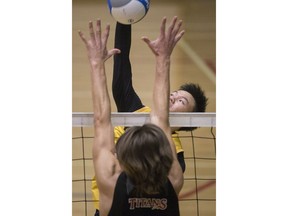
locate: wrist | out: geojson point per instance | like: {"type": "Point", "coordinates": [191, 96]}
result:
{"type": "Point", "coordinates": [163, 58]}
{"type": "Point", "coordinates": [96, 63]}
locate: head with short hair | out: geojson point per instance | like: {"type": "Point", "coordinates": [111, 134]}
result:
{"type": "Point", "coordinates": [198, 95]}
{"type": "Point", "coordinates": [189, 98]}
{"type": "Point", "coordinates": [145, 155]}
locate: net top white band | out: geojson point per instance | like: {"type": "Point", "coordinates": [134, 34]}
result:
{"type": "Point", "coordinates": [85, 119]}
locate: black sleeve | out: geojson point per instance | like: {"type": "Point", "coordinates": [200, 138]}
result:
{"type": "Point", "coordinates": [125, 97]}
{"type": "Point", "coordinates": [181, 160]}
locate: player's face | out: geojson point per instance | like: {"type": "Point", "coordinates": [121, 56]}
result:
{"type": "Point", "coordinates": [181, 101]}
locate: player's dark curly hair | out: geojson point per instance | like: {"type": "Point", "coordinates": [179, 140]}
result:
{"type": "Point", "coordinates": [198, 94]}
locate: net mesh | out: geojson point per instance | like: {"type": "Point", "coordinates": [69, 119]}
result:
{"type": "Point", "coordinates": [198, 196]}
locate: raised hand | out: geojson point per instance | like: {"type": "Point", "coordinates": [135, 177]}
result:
{"type": "Point", "coordinates": [166, 41]}
{"type": "Point", "coordinates": [96, 44]}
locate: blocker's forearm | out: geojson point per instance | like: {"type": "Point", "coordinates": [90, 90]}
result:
{"type": "Point", "coordinates": [161, 92]}
{"type": "Point", "coordinates": [100, 95]}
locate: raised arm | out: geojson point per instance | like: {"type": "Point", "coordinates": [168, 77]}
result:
{"type": "Point", "coordinates": [125, 97]}
{"type": "Point", "coordinates": [104, 160]}
{"type": "Point", "coordinates": [97, 55]}
{"type": "Point", "coordinates": [162, 48]}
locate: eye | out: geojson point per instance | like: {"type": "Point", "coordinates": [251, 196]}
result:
{"type": "Point", "coordinates": [182, 101]}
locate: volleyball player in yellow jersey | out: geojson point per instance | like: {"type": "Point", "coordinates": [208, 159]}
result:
{"type": "Point", "coordinates": [189, 97]}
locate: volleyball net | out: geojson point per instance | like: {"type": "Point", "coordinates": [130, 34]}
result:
{"type": "Point", "coordinates": [198, 196]}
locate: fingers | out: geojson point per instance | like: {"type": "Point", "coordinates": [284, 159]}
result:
{"type": "Point", "coordinates": [179, 36]}
{"type": "Point", "coordinates": [96, 44]}
{"type": "Point", "coordinates": [145, 39]}
{"type": "Point", "coordinates": [113, 52]}
{"type": "Point", "coordinates": [82, 37]}
{"type": "Point", "coordinates": [172, 25]}
{"type": "Point", "coordinates": [95, 35]}
{"type": "Point", "coordinates": [149, 43]}
{"type": "Point", "coordinates": [174, 28]}
{"type": "Point", "coordinates": [163, 28]}
{"type": "Point", "coordinates": [177, 27]}
{"type": "Point", "coordinates": [98, 29]}
{"type": "Point", "coordinates": [91, 30]}
{"type": "Point", "coordinates": [106, 34]}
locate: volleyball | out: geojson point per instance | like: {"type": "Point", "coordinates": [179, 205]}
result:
{"type": "Point", "coordinates": [128, 11]}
